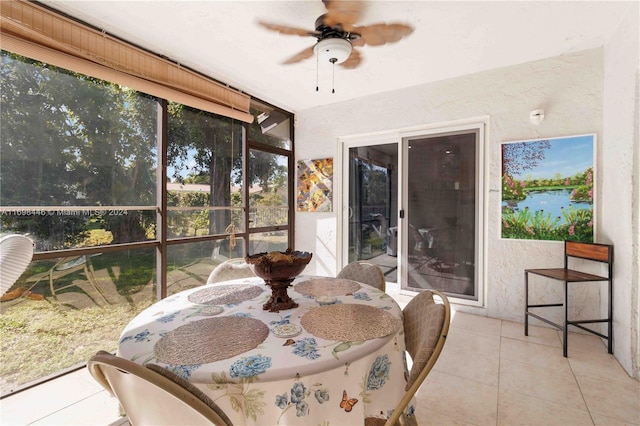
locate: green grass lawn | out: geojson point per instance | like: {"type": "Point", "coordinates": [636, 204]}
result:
{"type": "Point", "coordinates": [40, 338]}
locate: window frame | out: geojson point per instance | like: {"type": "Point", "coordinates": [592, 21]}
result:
{"type": "Point", "coordinates": [161, 243]}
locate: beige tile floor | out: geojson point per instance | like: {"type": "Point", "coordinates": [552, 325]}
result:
{"type": "Point", "coordinates": [489, 373]}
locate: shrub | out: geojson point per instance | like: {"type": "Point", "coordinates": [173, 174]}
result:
{"type": "Point", "coordinates": [512, 189]}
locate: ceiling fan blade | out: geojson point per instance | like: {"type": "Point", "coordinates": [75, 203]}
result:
{"type": "Point", "coordinates": [285, 29]}
{"type": "Point", "coordinates": [300, 56]}
{"type": "Point", "coordinates": [379, 34]}
{"type": "Point", "coordinates": [353, 60]}
{"type": "Point", "coordinates": [343, 13]}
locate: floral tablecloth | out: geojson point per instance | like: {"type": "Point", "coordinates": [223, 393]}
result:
{"type": "Point", "coordinates": [269, 368]}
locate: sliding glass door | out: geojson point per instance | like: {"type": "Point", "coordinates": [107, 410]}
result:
{"type": "Point", "coordinates": [373, 205]}
{"type": "Point", "coordinates": [412, 205]}
{"type": "Point", "coordinates": [442, 213]}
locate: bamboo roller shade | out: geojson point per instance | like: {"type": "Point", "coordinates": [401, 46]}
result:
{"type": "Point", "coordinates": [38, 33]}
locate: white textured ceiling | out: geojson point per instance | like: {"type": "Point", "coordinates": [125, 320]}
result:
{"type": "Point", "coordinates": [221, 39]}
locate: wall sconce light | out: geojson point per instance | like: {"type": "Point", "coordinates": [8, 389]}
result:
{"type": "Point", "coordinates": [536, 116]}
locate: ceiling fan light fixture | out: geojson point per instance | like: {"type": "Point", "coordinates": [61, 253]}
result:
{"type": "Point", "coordinates": [333, 50]}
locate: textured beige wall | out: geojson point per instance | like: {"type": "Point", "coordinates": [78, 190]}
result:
{"type": "Point", "coordinates": [569, 88]}
{"type": "Point", "coordinates": [620, 182]}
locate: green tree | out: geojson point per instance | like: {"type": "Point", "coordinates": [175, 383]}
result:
{"type": "Point", "coordinates": [72, 140]}
{"type": "Point", "coordinates": [208, 149]}
{"type": "Point", "coordinates": [520, 156]}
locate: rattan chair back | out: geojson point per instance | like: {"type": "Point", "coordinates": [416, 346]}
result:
{"type": "Point", "coordinates": [231, 269]}
{"type": "Point", "coordinates": [153, 395]}
{"type": "Point", "coordinates": [364, 272]}
{"type": "Point", "coordinates": [426, 325]}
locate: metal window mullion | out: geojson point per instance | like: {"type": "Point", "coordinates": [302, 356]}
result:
{"type": "Point", "coordinates": [161, 200]}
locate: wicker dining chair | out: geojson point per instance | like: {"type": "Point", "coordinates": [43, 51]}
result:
{"type": "Point", "coordinates": [364, 272]}
{"type": "Point", "coordinates": [231, 269]}
{"type": "Point", "coordinates": [426, 325]}
{"type": "Point", "coordinates": [153, 395]}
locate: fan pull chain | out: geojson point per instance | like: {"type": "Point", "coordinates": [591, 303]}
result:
{"type": "Point", "coordinates": [317, 65]}
{"type": "Point", "coordinates": [333, 77]}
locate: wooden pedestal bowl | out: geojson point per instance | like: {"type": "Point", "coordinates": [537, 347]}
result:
{"type": "Point", "coordinates": [278, 269]}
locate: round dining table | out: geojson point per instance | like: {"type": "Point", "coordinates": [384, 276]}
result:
{"type": "Point", "coordinates": [338, 358]}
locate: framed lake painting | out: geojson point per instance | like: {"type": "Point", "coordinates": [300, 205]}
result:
{"type": "Point", "coordinates": [547, 189]}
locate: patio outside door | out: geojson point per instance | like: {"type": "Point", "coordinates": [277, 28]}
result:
{"type": "Point", "coordinates": [373, 206]}
{"type": "Point", "coordinates": [442, 213]}
{"type": "Point", "coordinates": [412, 205]}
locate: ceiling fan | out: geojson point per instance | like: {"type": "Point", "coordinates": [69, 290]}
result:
{"type": "Point", "coordinates": [338, 36]}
